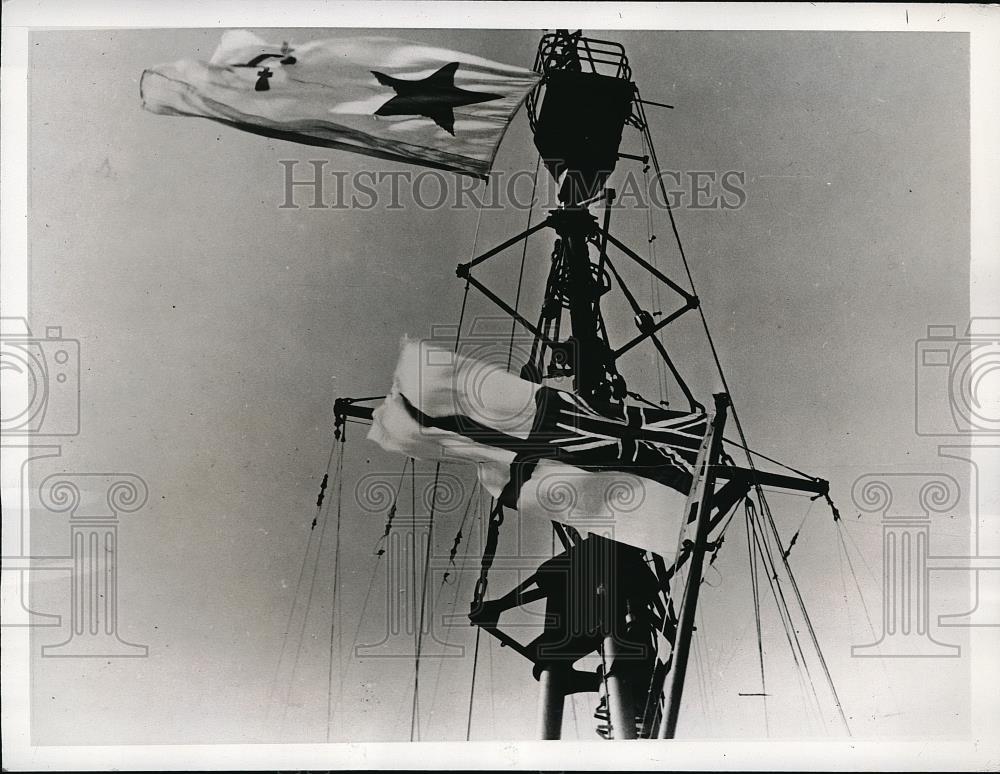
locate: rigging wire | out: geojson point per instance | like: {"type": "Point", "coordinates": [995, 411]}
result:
{"type": "Point", "coordinates": [524, 253]}
{"type": "Point", "coordinates": [784, 612]}
{"type": "Point", "coordinates": [700, 661]}
{"type": "Point", "coordinates": [655, 291]}
{"type": "Point", "coordinates": [843, 583]}
{"type": "Point", "coordinates": [371, 582]}
{"type": "Point", "coordinates": [854, 575]}
{"type": "Point", "coordinates": [752, 557]}
{"type": "Point", "coordinates": [465, 294]}
{"type": "Point", "coordinates": [493, 691]}
{"type": "Point", "coordinates": [392, 508]}
{"type": "Point", "coordinates": [769, 459]}
{"type": "Point", "coordinates": [841, 532]}
{"type": "Point", "coordinates": [357, 631]}
{"type": "Point", "coordinates": [739, 426]}
{"type": "Point", "coordinates": [805, 614]}
{"type": "Point", "coordinates": [298, 583]}
{"type": "Point", "coordinates": [458, 337]}
{"type": "Point", "coordinates": [334, 612]}
{"type": "Point", "coordinates": [494, 520]}
{"type": "Point", "coordinates": [413, 581]}
{"type": "Point", "coordinates": [454, 603]}
{"type": "Point", "coordinates": [472, 690]}
{"type": "Point", "coordinates": [309, 597]}
{"type": "Point", "coordinates": [795, 535]}
{"type": "Point", "coordinates": [414, 723]}
{"type": "Point", "coordinates": [861, 556]}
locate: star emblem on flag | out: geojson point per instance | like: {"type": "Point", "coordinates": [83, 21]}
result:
{"type": "Point", "coordinates": [434, 97]}
{"type": "Point", "coordinates": [332, 93]}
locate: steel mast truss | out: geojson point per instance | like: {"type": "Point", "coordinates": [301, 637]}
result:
{"type": "Point", "coordinates": [577, 114]}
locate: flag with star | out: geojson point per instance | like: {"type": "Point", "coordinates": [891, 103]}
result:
{"type": "Point", "coordinates": [378, 96]}
{"type": "Point", "coordinates": [623, 472]}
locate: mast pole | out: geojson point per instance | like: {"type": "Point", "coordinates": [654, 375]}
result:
{"type": "Point", "coordinates": [689, 603]}
{"type": "Point", "coordinates": [551, 700]}
{"type": "Point", "coordinates": [620, 707]}
{"type": "Point", "coordinates": [591, 361]}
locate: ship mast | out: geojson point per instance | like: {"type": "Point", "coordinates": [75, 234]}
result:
{"type": "Point", "coordinates": [602, 595]}
{"type": "Point", "coordinates": [588, 98]}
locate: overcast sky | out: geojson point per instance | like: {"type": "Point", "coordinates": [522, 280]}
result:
{"type": "Point", "coordinates": [216, 328]}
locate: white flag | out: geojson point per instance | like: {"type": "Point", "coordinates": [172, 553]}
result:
{"type": "Point", "coordinates": [543, 451]}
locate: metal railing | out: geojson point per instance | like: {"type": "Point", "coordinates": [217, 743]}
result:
{"type": "Point", "coordinates": [563, 50]}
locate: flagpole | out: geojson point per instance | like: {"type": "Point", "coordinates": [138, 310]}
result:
{"type": "Point", "coordinates": [551, 701]}
{"type": "Point", "coordinates": [560, 136]}
{"type": "Point", "coordinates": [620, 706]}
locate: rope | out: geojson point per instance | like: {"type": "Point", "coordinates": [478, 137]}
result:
{"type": "Point", "coordinates": [784, 613]}
{"type": "Point", "coordinates": [371, 580]}
{"type": "Point", "coordinates": [472, 690]}
{"type": "Point", "coordinates": [298, 583]}
{"type": "Point", "coordinates": [465, 295]}
{"type": "Point", "coordinates": [493, 689]}
{"type": "Point", "coordinates": [795, 535]}
{"type": "Point", "coordinates": [739, 426]}
{"type": "Point", "coordinates": [413, 576]}
{"type": "Point", "coordinates": [756, 613]}
{"type": "Point", "coordinates": [770, 459]}
{"type": "Point", "coordinates": [854, 575]}
{"type": "Point", "coordinates": [842, 531]}
{"type": "Point", "coordinates": [524, 253]}
{"type": "Point", "coordinates": [392, 508]}
{"type": "Point", "coordinates": [357, 630]}
{"type": "Point", "coordinates": [655, 294]}
{"type": "Point", "coordinates": [457, 541]}
{"type": "Point", "coordinates": [805, 615]}
{"type": "Point", "coordinates": [335, 610]}
{"type": "Point", "coordinates": [489, 552]}
{"type": "Point", "coordinates": [305, 616]}
{"type": "Point", "coordinates": [454, 604]}
{"type": "Point", "coordinates": [861, 555]}
{"type": "Point", "coordinates": [414, 724]}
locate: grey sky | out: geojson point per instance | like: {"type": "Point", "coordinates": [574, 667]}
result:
{"type": "Point", "coordinates": [216, 329]}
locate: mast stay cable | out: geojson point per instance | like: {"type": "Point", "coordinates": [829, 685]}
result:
{"type": "Point", "coordinates": [414, 721]}
{"type": "Point", "coordinates": [334, 611]}
{"type": "Point", "coordinates": [324, 518]}
{"type": "Point", "coordinates": [739, 425]}
{"type": "Point", "coordinates": [298, 584]}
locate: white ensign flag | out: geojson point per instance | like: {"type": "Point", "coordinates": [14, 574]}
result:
{"type": "Point", "coordinates": [624, 472]}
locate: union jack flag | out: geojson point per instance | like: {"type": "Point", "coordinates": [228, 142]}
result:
{"type": "Point", "coordinates": [545, 452]}
{"type": "Point", "coordinates": [658, 444]}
